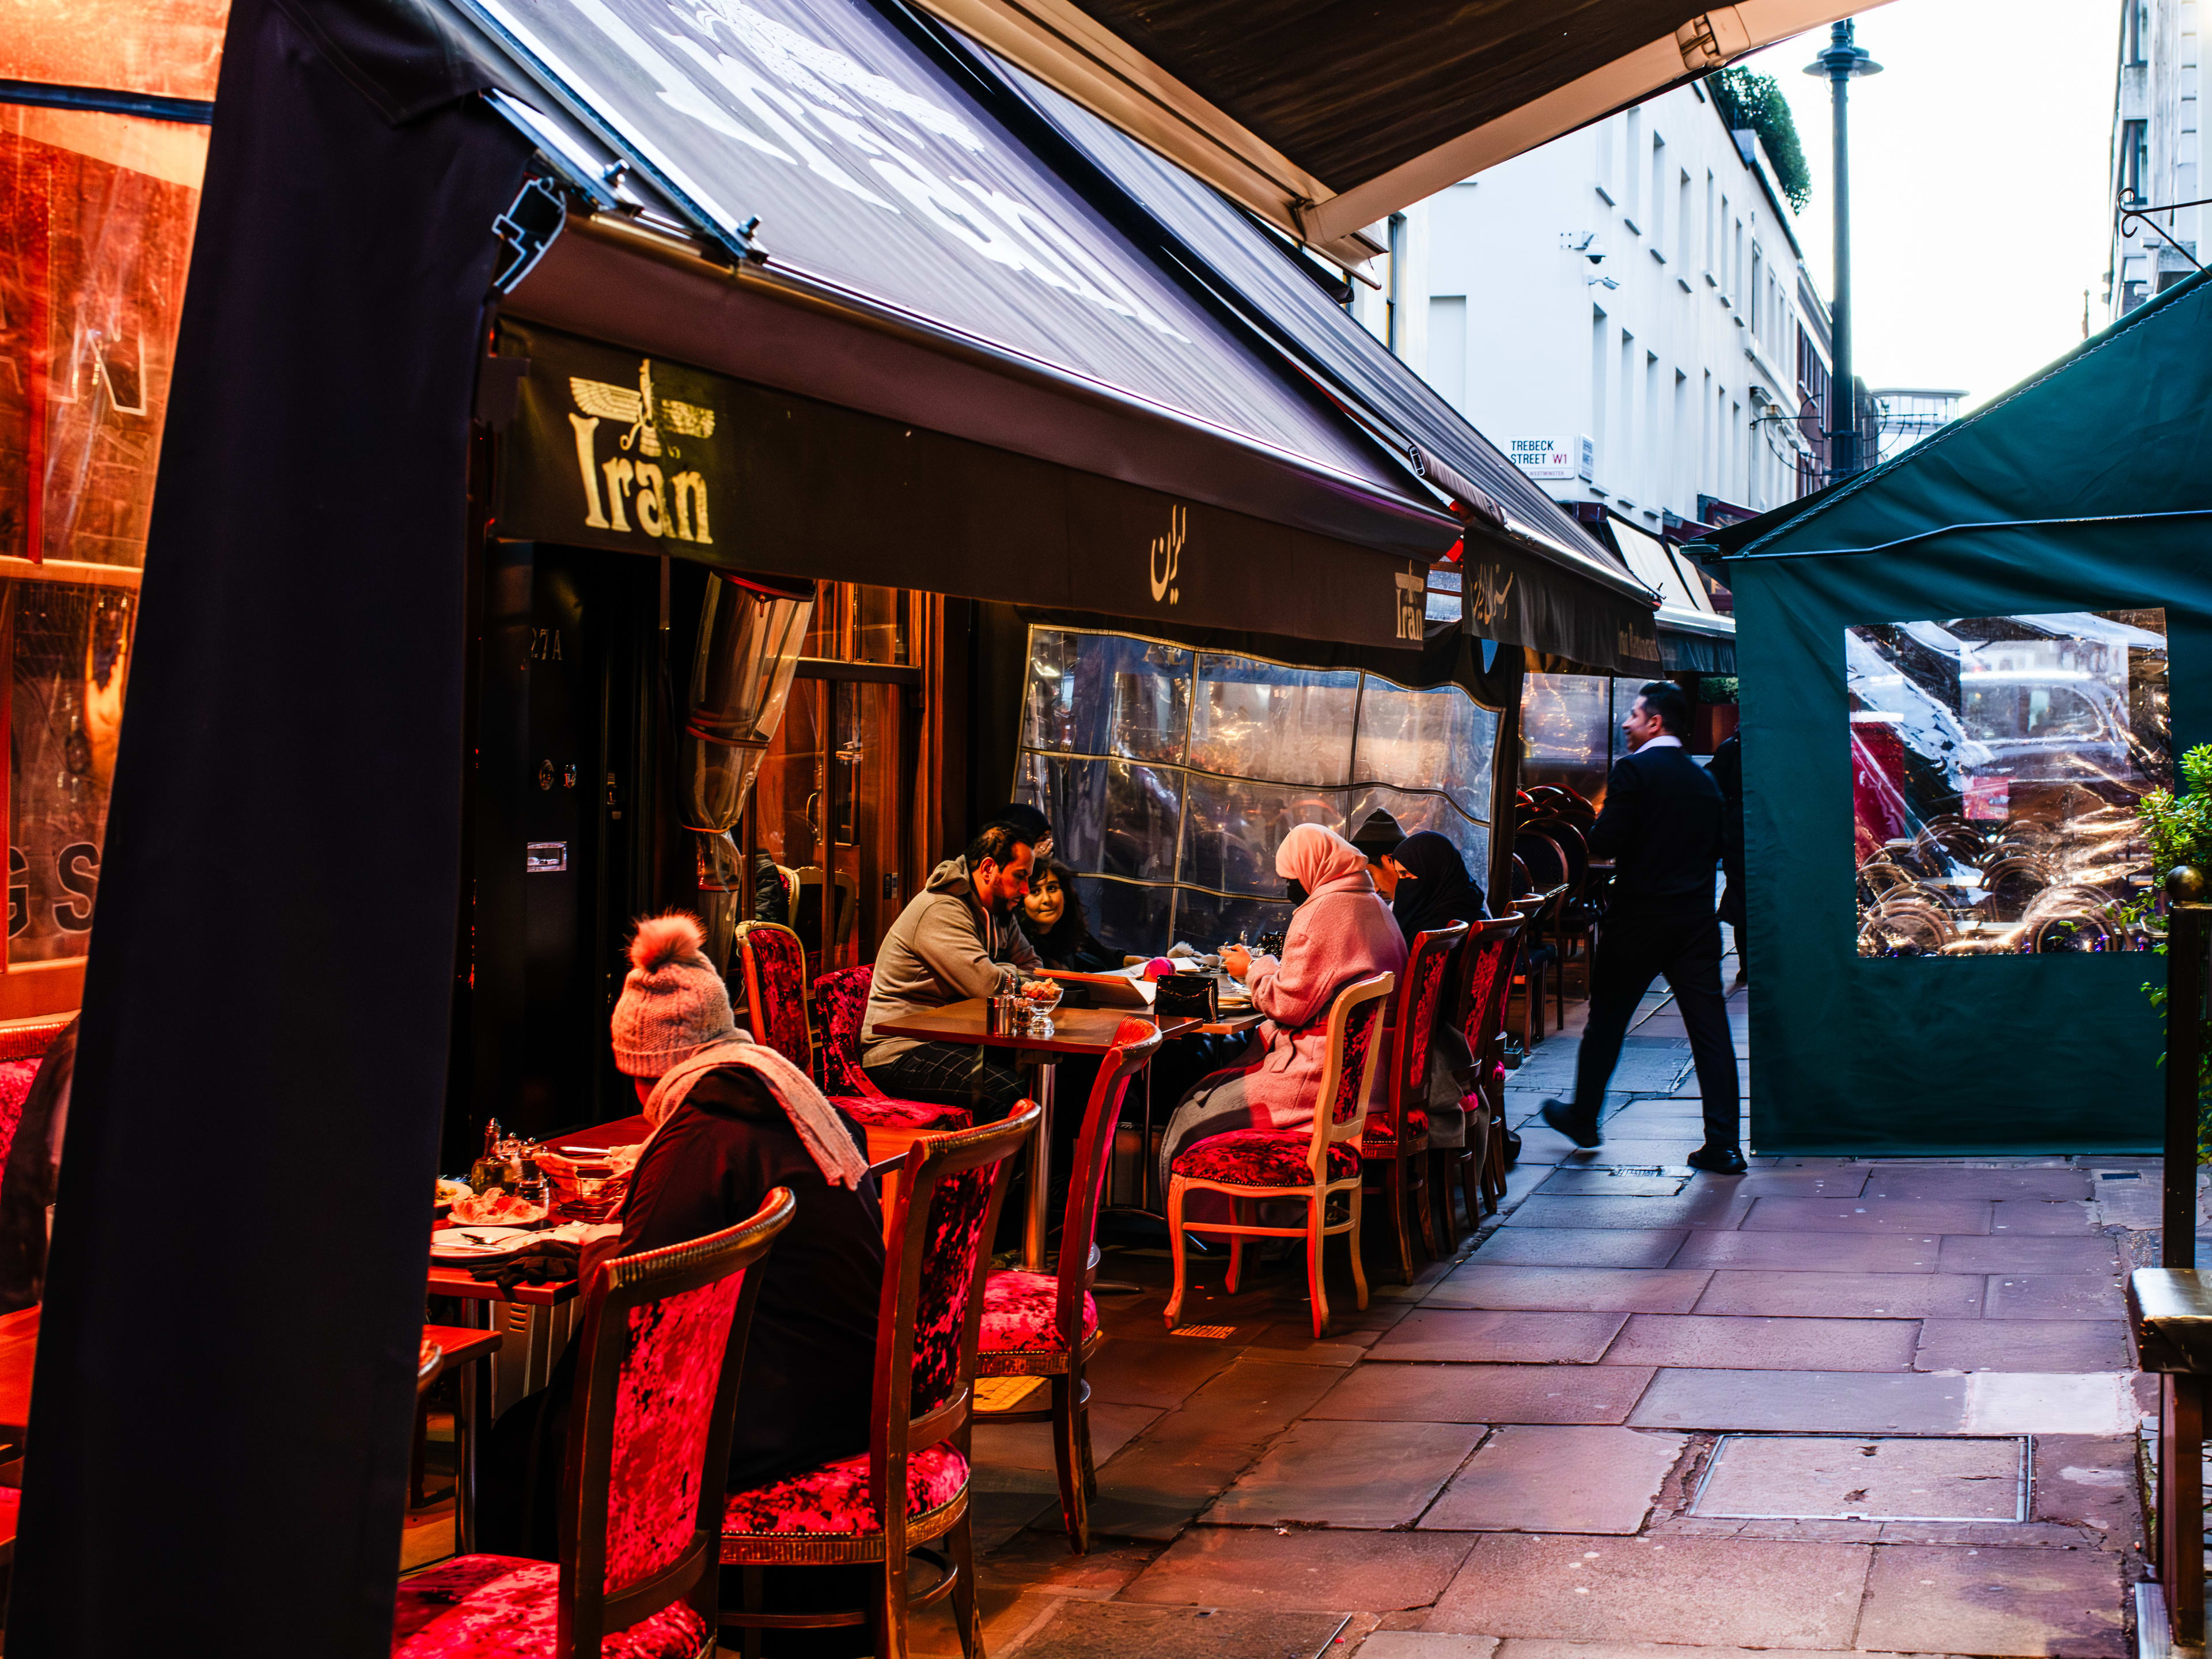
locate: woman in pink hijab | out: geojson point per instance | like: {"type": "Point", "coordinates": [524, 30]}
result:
{"type": "Point", "coordinates": [1342, 932]}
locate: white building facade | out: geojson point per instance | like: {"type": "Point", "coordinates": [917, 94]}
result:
{"type": "Point", "coordinates": [2156, 151]}
{"type": "Point", "coordinates": [1625, 311]}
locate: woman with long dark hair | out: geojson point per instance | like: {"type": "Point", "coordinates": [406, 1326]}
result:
{"type": "Point", "coordinates": [1052, 915]}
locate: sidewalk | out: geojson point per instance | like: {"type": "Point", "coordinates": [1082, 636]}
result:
{"type": "Point", "coordinates": [1832, 1406]}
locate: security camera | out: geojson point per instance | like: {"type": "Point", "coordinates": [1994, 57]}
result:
{"type": "Point", "coordinates": [1583, 242]}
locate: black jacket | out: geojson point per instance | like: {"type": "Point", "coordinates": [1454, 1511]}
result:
{"type": "Point", "coordinates": [1662, 827]}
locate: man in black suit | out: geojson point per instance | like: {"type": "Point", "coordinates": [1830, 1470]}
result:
{"type": "Point", "coordinates": [1661, 825]}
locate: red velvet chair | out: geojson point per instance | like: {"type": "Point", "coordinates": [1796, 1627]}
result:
{"type": "Point", "coordinates": [1312, 1166]}
{"type": "Point", "coordinates": [1487, 967]}
{"type": "Point", "coordinates": [1047, 1324]}
{"type": "Point", "coordinates": [844, 1514]}
{"type": "Point", "coordinates": [1394, 1145]}
{"type": "Point", "coordinates": [662, 1344]}
{"type": "Point", "coordinates": [772, 967]}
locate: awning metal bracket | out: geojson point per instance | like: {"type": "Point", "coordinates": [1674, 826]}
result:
{"type": "Point", "coordinates": [526, 230]}
{"type": "Point", "coordinates": [2131, 209]}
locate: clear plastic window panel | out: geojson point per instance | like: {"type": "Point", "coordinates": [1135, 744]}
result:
{"type": "Point", "coordinates": [1566, 735]}
{"type": "Point", "coordinates": [1996, 762]}
{"type": "Point", "coordinates": [1187, 851]}
{"type": "Point", "coordinates": [1258, 719]}
{"type": "Point", "coordinates": [1103, 693]}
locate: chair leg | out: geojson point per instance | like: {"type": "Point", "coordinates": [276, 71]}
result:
{"type": "Point", "coordinates": [1241, 1212]}
{"type": "Point", "coordinates": [1068, 1430]}
{"type": "Point", "coordinates": [1423, 1197]}
{"type": "Point", "coordinates": [756, 1598]}
{"type": "Point", "coordinates": [889, 1611]}
{"type": "Point", "coordinates": [1394, 1189]}
{"type": "Point", "coordinates": [960, 1544]}
{"type": "Point", "coordinates": [1175, 1250]}
{"type": "Point", "coordinates": [1317, 1213]}
{"type": "Point", "coordinates": [1358, 1266]}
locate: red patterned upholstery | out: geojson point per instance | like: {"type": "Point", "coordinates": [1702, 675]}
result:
{"type": "Point", "coordinates": [882, 1112]}
{"type": "Point", "coordinates": [841, 1000]}
{"type": "Point", "coordinates": [15, 1078]}
{"type": "Point", "coordinates": [1264, 1157]}
{"type": "Point", "coordinates": [1379, 1128]}
{"type": "Point", "coordinates": [948, 1278]}
{"type": "Point", "coordinates": [664, 1406]}
{"type": "Point", "coordinates": [11, 1504]}
{"type": "Point", "coordinates": [1413, 1055]}
{"type": "Point", "coordinates": [775, 979]}
{"type": "Point", "coordinates": [1359, 1033]}
{"type": "Point", "coordinates": [501, 1607]}
{"type": "Point", "coordinates": [1020, 1313]}
{"type": "Point", "coordinates": [835, 1499]}
{"type": "Point", "coordinates": [1490, 981]}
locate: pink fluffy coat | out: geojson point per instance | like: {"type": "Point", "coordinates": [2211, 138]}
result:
{"type": "Point", "coordinates": [1335, 938]}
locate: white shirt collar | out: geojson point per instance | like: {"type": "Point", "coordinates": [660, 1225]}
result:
{"type": "Point", "coordinates": [1664, 740]}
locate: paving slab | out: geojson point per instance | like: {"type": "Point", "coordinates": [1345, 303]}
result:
{"type": "Point", "coordinates": [1889, 1478]}
{"type": "Point", "coordinates": [1647, 1144]}
{"type": "Point", "coordinates": [2022, 1345]}
{"type": "Point", "coordinates": [1530, 1650]}
{"type": "Point", "coordinates": [2028, 1216]}
{"type": "Point", "coordinates": [1616, 1182]}
{"type": "Point", "coordinates": [2044, 1402]}
{"type": "Point", "coordinates": [1929, 1180]}
{"type": "Point", "coordinates": [1114, 1630]}
{"type": "Point", "coordinates": [1346, 1473]}
{"type": "Point", "coordinates": [1582, 1247]}
{"type": "Point", "coordinates": [1426, 1644]}
{"type": "Point", "coordinates": [1870, 1215]}
{"type": "Point", "coordinates": [1736, 1343]}
{"type": "Point", "coordinates": [1585, 1289]}
{"type": "Point", "coordinates": [1843, 1296]}
{"type": "Point", "coordinates": [1499, 1338]}
{"type": "Point", "coordinates": [1766, 1182]}
{"type": "Point", "coordinates": [1029, 1445]}
{"type": "Point", "coordinates": [1163, 1374]}
{"type": "Point", "coordinates": [1549, 1479]}
{"type": "Point", "coordinates": [1836, 1402]}
{"type": "Point", "coordinates": [1701, 1206]}
{"type": "Point", "coordinates": [2055, 1296]}
{"type": "Point", "coordinates": [1843, 1253]}
{"type": "Point", "coordinates": [2064, 1603]}
{"type": "Point", "coordinates": [2012, 1253]}
{"type": "Point", "coordinates": [1486, 1394]}
{"type": "Point", "coordinates": [2088, 1481]}
{"type": "Point", "coordinates": [1720, 1592]}
{"type": "Point", "coordinates": [1260, 1568]}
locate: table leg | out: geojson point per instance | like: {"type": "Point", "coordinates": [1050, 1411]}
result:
{"type": "Point", "coordinates": [468, 1417]}
{"type": "Point", "coordinates": [1034, 1233]}
{"type": "Point", "coordinates": [2181, 1503]}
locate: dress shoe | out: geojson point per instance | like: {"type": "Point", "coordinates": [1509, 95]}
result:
{"type": "Point", "coordinates": [1724, 1160]}
{"type": "Point", "coordinates": [1571, 1124]}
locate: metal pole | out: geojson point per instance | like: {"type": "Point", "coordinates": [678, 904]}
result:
{"type": "Point", "coordinates": [2187, 935]}
{"type": "Point", "coordinates": [1842, 405]}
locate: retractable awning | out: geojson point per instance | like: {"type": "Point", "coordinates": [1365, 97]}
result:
{"type": "Point", "coordinates": [1693, 638]}
{"type": "Point", "coordinates": [1325, 117]}
{"type": "Point", "coordinates": [1535, 576]}
{"type": "Point", "coordinates": [818, 204]}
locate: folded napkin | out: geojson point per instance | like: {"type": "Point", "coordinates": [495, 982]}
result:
{"type": "Point", "coordinates": [552, 1257]}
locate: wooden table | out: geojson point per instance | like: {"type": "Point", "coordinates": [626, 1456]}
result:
{"type": "Point", "coordinates": [464, 1345]}
{"type": "Point", "coordinates": [19, 1353]}
{"type": "Point", "coordinates": [1075, 1031]}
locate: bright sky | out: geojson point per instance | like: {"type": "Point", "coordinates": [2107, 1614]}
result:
{"type": "Point", "coordinates": [1978, 184]}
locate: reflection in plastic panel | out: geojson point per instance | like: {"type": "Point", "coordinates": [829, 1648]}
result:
{"type": "Point", "coordinates": [1268, 746]}
{"type": "Point", "coordinates": [1995, 766]}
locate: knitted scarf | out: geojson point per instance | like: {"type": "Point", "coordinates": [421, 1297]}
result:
{"type": "Point", "coordinates": [820, 1128]}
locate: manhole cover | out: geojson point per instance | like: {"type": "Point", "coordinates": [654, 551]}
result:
{"type": "Point", "coordinates": [1758, 1477]}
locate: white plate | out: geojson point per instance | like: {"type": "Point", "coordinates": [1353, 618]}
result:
{"type": "Point", "coordinates": [473, 1243]}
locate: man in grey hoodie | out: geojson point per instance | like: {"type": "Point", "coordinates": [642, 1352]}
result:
{"type": "Point", "coordinates": [960, 938]}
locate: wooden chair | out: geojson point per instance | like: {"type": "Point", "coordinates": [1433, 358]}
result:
{"type": "Point", "coordinates": [662, 1344]}
{"type": "Point", "coordinates": [1554, 876]}
{"type": "Point", "coordinates": [1047, 1324]}
{"type": "Point", "coordinates": [891, 1125]}
{"type": "Point", "coordinates": [1574, 930]}
{"type": "Point", "coordinates": [1395, 1142]}
{"type": "Point", "coordinates": [807, 912]}
{"type": "Point", "coordinates": [1308, 1166]}
{"type": "Point", "coordinates": [1533, 967]}
{"type": "Point", "coordinates": [911, 1487]}
{"type": "Point", "coordinates": [1486, 965]}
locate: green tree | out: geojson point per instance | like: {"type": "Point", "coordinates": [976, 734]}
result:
{"type": "Point", "coordinates": [2179, 831]}
{"type": "Point", "coordinates": [1748, 99]}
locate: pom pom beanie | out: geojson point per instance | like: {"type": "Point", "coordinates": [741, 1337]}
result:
{"type": "Point", "coordinates": [673, 1003]}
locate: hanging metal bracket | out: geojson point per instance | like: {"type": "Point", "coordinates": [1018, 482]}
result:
{"type": "Point", "coordinates": [2131, 209]}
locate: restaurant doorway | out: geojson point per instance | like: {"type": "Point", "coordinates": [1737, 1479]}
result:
{"type": "Point", "coordinates": [562, 829]}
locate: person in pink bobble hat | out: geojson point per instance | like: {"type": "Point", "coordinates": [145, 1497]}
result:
{"type": "Point", "coordinates": [732, 1120]}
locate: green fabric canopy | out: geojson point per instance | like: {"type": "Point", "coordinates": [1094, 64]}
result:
{"type": "Point", "coordinates": [2088, 488]}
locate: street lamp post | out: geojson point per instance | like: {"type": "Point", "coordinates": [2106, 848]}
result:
{"type": "Point", "coordinates": [1841, 63]}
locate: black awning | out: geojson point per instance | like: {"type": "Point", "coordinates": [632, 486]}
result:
{"type": "Point", "coordinates": [881, 240]}
{"type": "Point", "coordinates": [1325, 117]}
{"type": "Point", "coordinates": [1535, 576]}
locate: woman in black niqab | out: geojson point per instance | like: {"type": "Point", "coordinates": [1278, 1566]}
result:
{"type": "Point", "coordinates": [1434, 888]}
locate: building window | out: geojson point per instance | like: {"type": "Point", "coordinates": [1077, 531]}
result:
{"type": "Point", "coordinates": [1394, 303]}
{"type": "Point", "coordinates": [1630, 204]}
{"type": "Point", "coordinates": [2135, 160]}
{"type": "Point", "coordinates": [1599, 342]}
{"type": "Point", "coordinates": [1658, 226]}
{"type": "Point", "coordinates": [2136, 49]}
{"type": "Point", "coordinates": [1682, 224]}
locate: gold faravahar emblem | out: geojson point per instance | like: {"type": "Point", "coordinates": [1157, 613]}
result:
{"type": "Point", "coordinates": [643, 413]}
